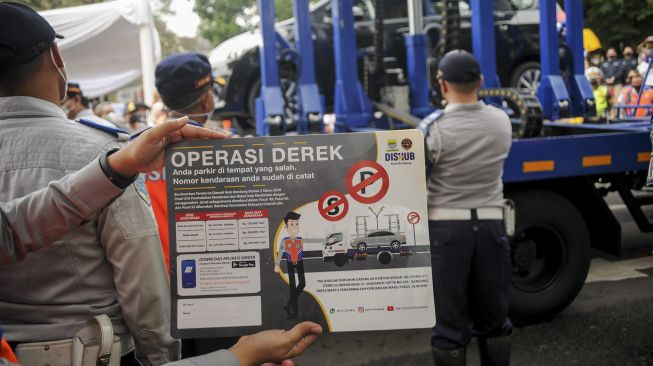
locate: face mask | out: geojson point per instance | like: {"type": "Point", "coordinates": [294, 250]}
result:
{"type": "Point", "coordinates": [65, 109]}
{"type": "Point", "coordinates": [63, 76]}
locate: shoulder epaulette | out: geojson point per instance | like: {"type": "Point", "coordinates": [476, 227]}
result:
{"type": "Point", "coordinates": [120, 134]}
{"type": "Point", "coordinates": [425, 127]}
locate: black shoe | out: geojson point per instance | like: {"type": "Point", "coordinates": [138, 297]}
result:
{"type": "Point", "coordinates": [449, 357]}
{"type": "Point", "coordinates": [494, 351]}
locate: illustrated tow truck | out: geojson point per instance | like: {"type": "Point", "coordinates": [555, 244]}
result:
{"type": "Point", "coordinates": [382, 242]}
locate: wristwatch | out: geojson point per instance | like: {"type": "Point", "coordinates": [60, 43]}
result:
{"type": "Point", "coordinates": [115, 178]}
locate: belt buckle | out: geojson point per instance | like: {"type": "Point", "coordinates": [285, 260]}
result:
{"type": "Point", "coordinates": [103, 360]}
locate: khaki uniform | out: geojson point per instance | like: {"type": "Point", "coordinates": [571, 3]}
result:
{"type": "Point", "coordinates": [109, 265]}
{"type": "Point", "coordinates": [30, 223]}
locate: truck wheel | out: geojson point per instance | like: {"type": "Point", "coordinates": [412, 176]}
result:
{"type": "Point", "coordinates": [550, 256]}
{"type": "Point", "coordinates": [340, 260]}
{"type": "Point", "coordinates": [362, 247]}
{"type": "Point", "coordinates": [526, 76]}
{"type": "Point", "coordinates": [384, 258]}
{"type": "Point", "coordinates": [395, 244]}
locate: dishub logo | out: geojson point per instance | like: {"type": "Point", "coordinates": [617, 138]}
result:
{"type": "Point", "coordinates": [394, 154]}
{"type": "Point", "coordinates": [390, 308]}
{"type": "Point", "coordinates": [332, 310]}
{"type": "Point", "coordinates": [361, 309]}
{"type": "Point", "coordinates": [392, 145]}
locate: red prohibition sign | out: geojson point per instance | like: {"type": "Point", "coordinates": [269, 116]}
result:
{"type": "Point", "coordinates": [354, 190]}
{"type": "Point", "coordinates": [341, 201]}
{"type": "Point", "coordinates": [413, 218]}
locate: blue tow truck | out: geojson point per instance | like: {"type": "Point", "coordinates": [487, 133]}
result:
{"type": "Point", "coordinates": [557, 173]}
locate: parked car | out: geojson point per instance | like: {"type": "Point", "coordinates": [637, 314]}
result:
{"type": "Point", "coordinates": [236, 60]}
{"type": "Point", "coordinates": [379, 238]}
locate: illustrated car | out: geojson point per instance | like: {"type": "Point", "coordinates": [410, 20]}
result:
{"type": "Point", "coordinates": [378, 239]}
{"type": "Point", "coordinates": [236, 60]}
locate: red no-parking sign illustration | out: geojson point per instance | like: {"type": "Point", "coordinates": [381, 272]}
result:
{"type": "Point", "coordinates": [413, 218]}
{"type": "Point", "coordinates": [333, 206]}
{"type": "Point", "coordinates": [367, 181]}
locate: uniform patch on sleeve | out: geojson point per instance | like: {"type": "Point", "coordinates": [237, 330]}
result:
{"type": "Point", "coordinates": [139, 184]}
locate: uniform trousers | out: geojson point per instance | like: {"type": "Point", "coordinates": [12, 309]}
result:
{"type": "Point", "coordinates": [471, 267]}
{"type": "Point", "coordinates": [296, 288]}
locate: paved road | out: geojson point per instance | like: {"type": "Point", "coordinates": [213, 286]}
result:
{"type": "Point", "coordinates": [609, 324]}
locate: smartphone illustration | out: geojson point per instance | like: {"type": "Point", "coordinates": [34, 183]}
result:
{"type": "Point", "coordinates": [188, 273]}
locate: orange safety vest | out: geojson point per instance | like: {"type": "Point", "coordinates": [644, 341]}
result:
{"type": "Point", "coordinates": [630, 98]}
{"type": "Point", "coordinates": [6, 352]}
{"type": "Point", "coordinates": [156, 188]}
{"type": "Point", "coordinates": [294, 248]}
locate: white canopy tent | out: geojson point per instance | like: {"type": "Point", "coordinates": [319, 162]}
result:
{"type": "Point", "coordinates": [108, 45]}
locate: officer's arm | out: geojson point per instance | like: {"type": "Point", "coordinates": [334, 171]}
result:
{"type": "Point", "coordinates": [131, 241]}
{"type": "Point", "coordinates": [32, 222]}
{"type": "Point", "coordinates": [433, 144]}
{"type": "Point", "coordinates": [277, 261]}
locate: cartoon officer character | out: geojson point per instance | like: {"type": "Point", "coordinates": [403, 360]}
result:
{"type": "Point", "coordinates": [291, 249]}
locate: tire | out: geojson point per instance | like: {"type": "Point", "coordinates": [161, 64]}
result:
{"type": "Point", "coordinates": [522, 76]}
{"type": "Point", "coordinates": [255, 91]}
{"type": "Point", "coordinates": [384, 258]}
{"type": "Point", "coordinates": [252, 94]}
{"type": "Point", "coordinates": [340, 260]}
{"type": "Point", "coordinates": [395, 244]}
{"type": "Point", "coordinates": [550, 256]}
{"type": "Point", "coordinates": [362, 247]}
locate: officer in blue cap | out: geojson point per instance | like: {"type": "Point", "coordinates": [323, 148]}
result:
{"type": "Point", "coordinates": [185, 83]}
{"type": "Point", "coordinates": [467, 144]}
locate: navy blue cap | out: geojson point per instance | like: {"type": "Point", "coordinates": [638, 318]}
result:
{"type": "Point", "coordinates": [24, 34]}
{"type": "Point", "coordinates": [459, 66]}
{"type": "Point", "coordinates": [181, 76]}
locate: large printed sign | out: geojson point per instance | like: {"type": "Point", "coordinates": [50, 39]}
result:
{"type": "Point", "coordinates": [268, 232]}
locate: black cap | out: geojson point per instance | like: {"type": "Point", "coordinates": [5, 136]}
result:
{"type": "Point", "coordinates": [459, 66]}
{"type": "Point", "coordinates": [23, 33]}
{"type": "Point", "coordinates": [183, 75]}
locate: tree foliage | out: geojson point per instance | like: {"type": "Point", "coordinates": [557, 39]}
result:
{"type": "Point", "coordinates": [222, 19]}
{"type": "Point", "coordinates": [619, 23]}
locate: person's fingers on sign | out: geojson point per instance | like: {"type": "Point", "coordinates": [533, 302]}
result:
{"type": "Point", "coordinates": [146, 153]}
{"type": "Point", "coordinates": [276, 345]}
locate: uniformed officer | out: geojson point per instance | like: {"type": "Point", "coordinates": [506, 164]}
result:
{"type": "Point", "coordinates": [111, 264]}
{"type": "Point", "coordinates": [291, 248]}
{"type": "Point", "coordinates": [76, 106]}
{"type": "Point", "coordinates": [470, 253]}
{"type": "Point", "coordinates": [185, 83]}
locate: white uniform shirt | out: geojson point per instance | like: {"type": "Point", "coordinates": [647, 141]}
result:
{"type": "Point", "coordinates": [469, 151]}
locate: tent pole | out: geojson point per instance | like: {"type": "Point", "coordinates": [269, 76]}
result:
{"type": "Point", "coordinates": [147, 55]}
